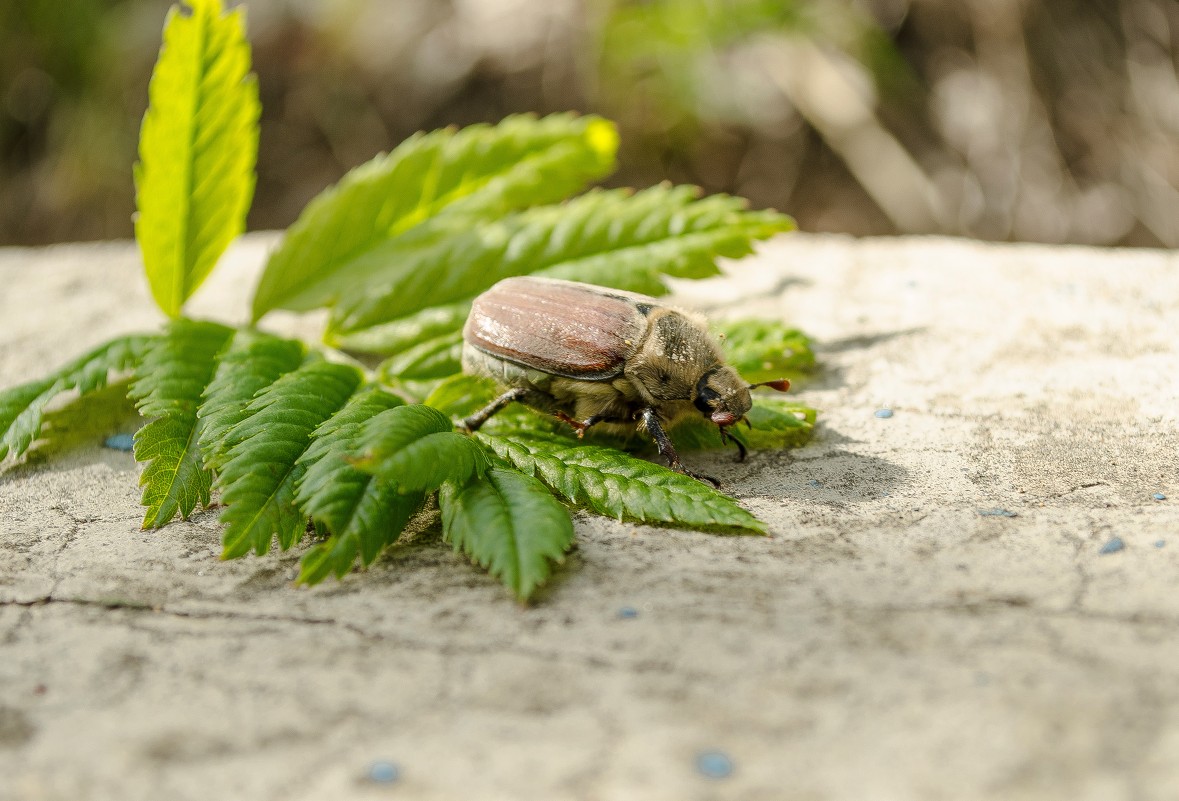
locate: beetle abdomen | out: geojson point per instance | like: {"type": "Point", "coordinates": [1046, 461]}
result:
{"type": "Point", "coordinates": [558, 327]}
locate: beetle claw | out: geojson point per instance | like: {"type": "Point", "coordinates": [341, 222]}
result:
{"type": "Point", "coordinates": [578, 426]}
{"type": "Point", "coordinates": [678, 467]}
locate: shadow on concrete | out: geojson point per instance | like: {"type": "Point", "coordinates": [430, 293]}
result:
{"type": "Point", "coordinates": [829, 376]}
{"type": "Point", "coordinates": [78, 430]}
{"type": "Point", "coordinates": [823, 473]}
{"type": "Point", "coordinates": [864, 340]}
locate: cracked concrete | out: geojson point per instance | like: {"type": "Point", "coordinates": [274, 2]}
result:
{"type": "Point", "coordinates": [931, 618]}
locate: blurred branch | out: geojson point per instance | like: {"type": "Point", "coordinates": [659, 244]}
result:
{"type": "Point", "coordinates": [833, 94]}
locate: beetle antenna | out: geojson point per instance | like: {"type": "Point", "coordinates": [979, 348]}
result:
{"type": "Point", "coordinates": [781, 384]}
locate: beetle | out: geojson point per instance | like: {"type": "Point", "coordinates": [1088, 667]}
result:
{"type": "Point", "coordinates": [591, 356]}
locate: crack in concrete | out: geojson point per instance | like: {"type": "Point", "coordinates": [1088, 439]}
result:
{"type": "Point", "coordinates": [640, 664]}
{"type": "Point", "coordinates": [70, 535]}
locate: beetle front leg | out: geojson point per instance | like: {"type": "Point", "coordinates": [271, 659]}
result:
{"type": "Point", "coordinates": [667, 447]}
{"type": "Point", "coordinates": [726, 438]}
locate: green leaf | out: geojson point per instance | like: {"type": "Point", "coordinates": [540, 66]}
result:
{"type": "Point", "coordinates": [362, 512]}
{"type": "Point", "coordinates": [773, 424]}
{"type": "Point", "coordinates": [612, 483]}
{"type": "Point", "coordinates": [610, 238]}
{"type": "Point", "coordinates": [168, 385]}
{"type": "Point", "coordinates": [252, 362]}
{"type": "Point", "coordinates": [484, 169]}
{"type": "Point", "coordinates": [416, 448]}
{"type": "Point", "coordinates": [22, 407]}
{"type": "Point", "coordinates": [435, 358]}
{"type": "Point", "coordinates": [461, 395]}
{"type": "Point", "coordinates": [508, 523]}
{"type": "Point", "coordinates": [262, 465]}
{"type": "Point", "coordinates": [197, 148]}
{"type": "Point", "coordinates": [398, 336]}
{"type": "Point", "coordinates": [763, 350]}
{"type": "Point", "coordinates": [779, 424]}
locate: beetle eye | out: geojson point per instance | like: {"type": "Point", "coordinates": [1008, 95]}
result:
{"type": "Point", "coordinates": [706, 397]}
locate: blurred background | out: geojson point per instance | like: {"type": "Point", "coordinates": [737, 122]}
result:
{"type": "Point", "coordinates": [1032, 120]}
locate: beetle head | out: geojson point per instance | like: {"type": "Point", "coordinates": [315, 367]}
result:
{"type": "Point", "coordinates": [723, 396]}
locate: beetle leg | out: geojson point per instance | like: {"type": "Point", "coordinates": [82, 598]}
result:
{"type": "Point", "coordinates": [667, 447]}
{"type": "Point", "coordinates": [472, 423]}
{"type": "Point", "coordinates": [726, 438]}
{"type": "Point", "coordinates": [579, 425]}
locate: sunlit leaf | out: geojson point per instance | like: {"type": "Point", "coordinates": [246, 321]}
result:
{"type": "Point", "coordinates": [197, 148]}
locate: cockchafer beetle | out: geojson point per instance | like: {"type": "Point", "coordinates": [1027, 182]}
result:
{"type": "Point", "coordinates": [594, 356]}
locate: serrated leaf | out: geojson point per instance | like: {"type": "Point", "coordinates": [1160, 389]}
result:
{"type": "Point", "coordinates": [398, 336]}
{"type": "Point", "coordinates": [362, 512]}
{"type": "Point", "coordinates": [520, 162]}
{"type": "Point", "coordinates": [416, 448]}
{"type": "Point", "coordinates": [22, 407]}
{"type": "Point", "coordinates": [169, 383]}
{"type": "Point", "coordinates": [508, 523]}
{"type": "Point", "coordinates": [262, 467]}
{"type": "Point", "coordinates": [612, 238]}
{"type": "Point", "coordinates": [197, 148]}
{"type": "Point", "coordinates": [252, 362]}
{"type": "Point", "coordinates": [764, 350]}
{"type": "Point", "coordinates": [439, 357]}
{"type": "Point", "coordinates": [612, 483]}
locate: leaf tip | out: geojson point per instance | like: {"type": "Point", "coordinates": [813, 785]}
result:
{"type": "Point", "coordinates": [602, 137]}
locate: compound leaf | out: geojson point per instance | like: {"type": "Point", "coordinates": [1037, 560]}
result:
{"type": "Point", "coordinates": [197, 149]}
{"type": "Point", "coordinates": [262, 467]}
{"type": "Point", "coordinates": [613, 238]}
{"type": "Point", "coordinates": [168, 385]}
{"type": "Point", "coordinates": [22, 407]}
{"type": "Point", "coordinates": [508, 523]}
{"type": "Point", "coordinates": [612, 483]}
{"type": "Point", "coordinates": [480, 169]}
{"type": "Point", "coordinates": [416, 448]}
{"type": "Point", "coordinates": [251, 362]}
{"type": "Point", "coordinates": [361, 512]}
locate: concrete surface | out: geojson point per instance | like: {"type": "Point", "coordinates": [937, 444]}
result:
{"type": "Point", "coordinates": [891, 640]}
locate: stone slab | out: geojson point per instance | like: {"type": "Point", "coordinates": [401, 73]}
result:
{"type": "Point", "coordinates": [894, 638]}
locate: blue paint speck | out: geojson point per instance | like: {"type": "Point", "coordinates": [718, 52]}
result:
{"type": "Point", "coordinates": [714, 764]}
{"type": "Point", "coordinates": [996, 512]}
{"type": "Point", "coordinates": [628, 613]}
{"type": "Point", "coordinates": [119, 442]}
{"type": "Point", "coordinates": [1159, 543]}
{"type": "Point", "coordinates": [884, 414]}
{"type": "Point", "coordinates": [1113, 546]}
{"type": "Point", "coordinates": [1158, 496]}
{"type": "Point", "coordinates": [814, 482]}
{"type": "Point", "coordinates": [384, 772]}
